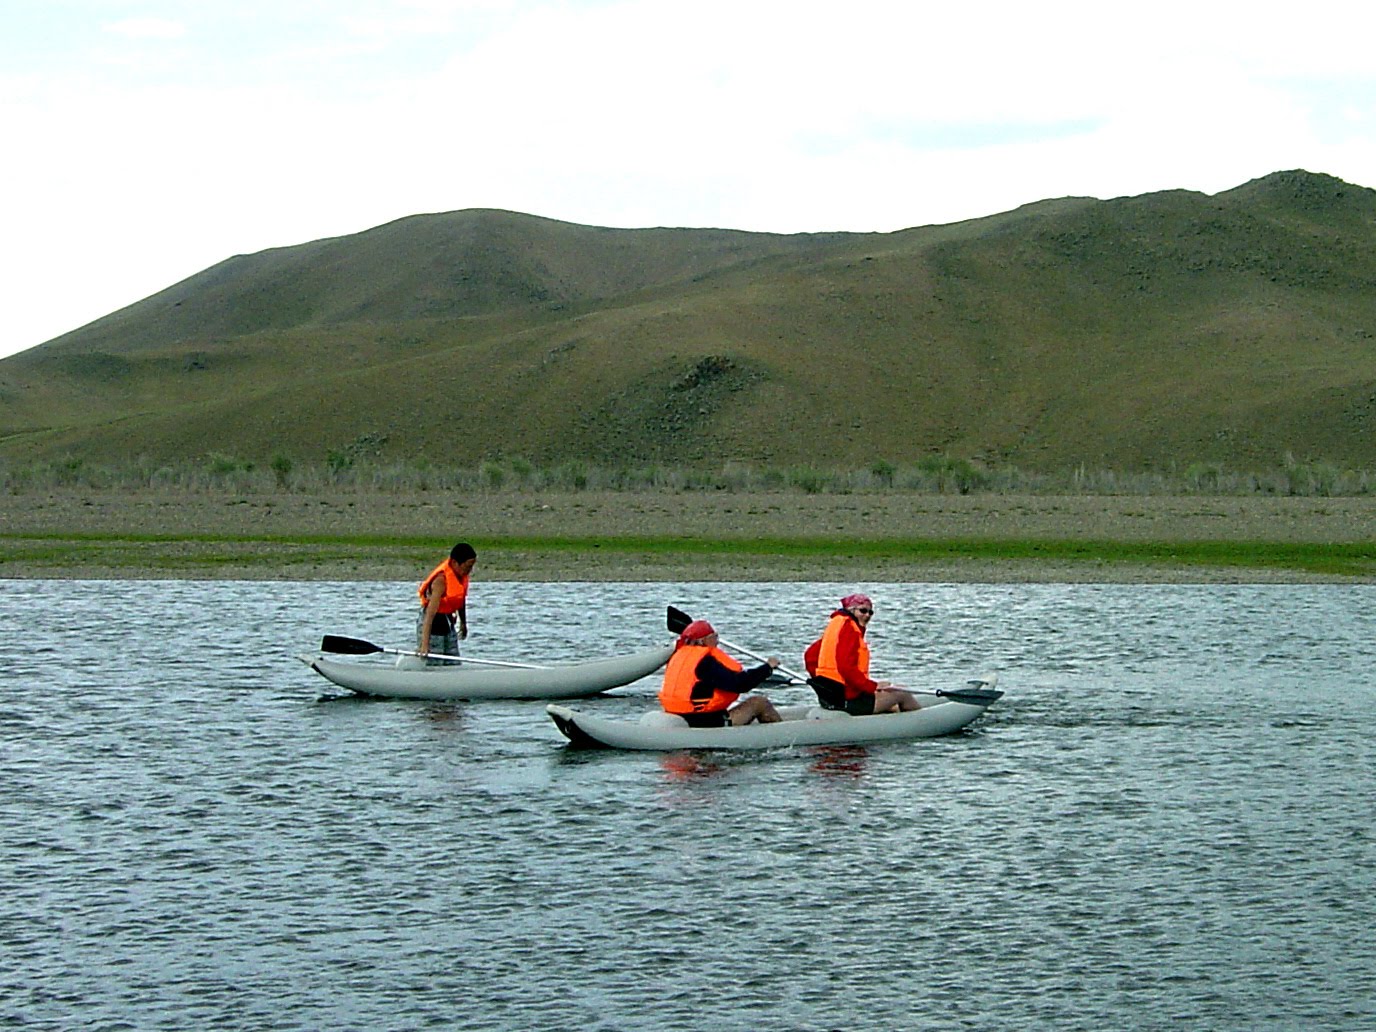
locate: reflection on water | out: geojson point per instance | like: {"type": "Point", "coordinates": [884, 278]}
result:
{"type": "Point", "coordinates": [1165, 823]}
{"type": "Point", "coordinates": [682, 766]}
{"type": "Point", "coordinates": [846, 761]}
{"type": "Point", "coordinates": [843, 761]}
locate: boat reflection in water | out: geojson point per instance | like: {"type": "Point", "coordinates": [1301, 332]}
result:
{"type": "Point", "coordinates": [684, 766]}
{"type": "Point", "coordinates": [839, 761]}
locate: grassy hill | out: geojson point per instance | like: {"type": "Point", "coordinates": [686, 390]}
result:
{"type": "Point", "coordinates": [1135, 334]}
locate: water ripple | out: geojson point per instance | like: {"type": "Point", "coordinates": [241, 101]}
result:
{"type": "Point", "coordinates": [1164, 824]}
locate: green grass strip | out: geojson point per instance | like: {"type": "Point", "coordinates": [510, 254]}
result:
{"type": "Point", "coordinates": [1356, 559]}
{"type": "Point", "coordinates": [1347, 559]}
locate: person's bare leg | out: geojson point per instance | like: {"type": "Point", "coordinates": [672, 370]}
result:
{"type": "Point", "coordinates": [754, 707]}
{"type": "Point", "coordinates": [890, 700]}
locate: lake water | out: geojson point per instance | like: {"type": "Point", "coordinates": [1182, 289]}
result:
{"type": "Point", "coordinates": [1166, 823]}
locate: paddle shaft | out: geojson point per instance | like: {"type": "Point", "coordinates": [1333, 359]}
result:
{"type": "Point", "coordinates": [359, 647]}
{"type": "Point", "coordinates": [677, 620]}
{"type": "Point", "coordinates": [755, 655]}
{"type": "Point", "coordinates": [466, 659]}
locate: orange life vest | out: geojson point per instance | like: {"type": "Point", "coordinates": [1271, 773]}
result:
{"type": "Point", "coordinates": [828, 667]}
{"type": "Point", "coordinates": [682, 693]}
{"type": "Point", "coordinates": [455, 587]}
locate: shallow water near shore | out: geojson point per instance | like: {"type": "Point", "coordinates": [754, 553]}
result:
{"type": "Point", "coordinates": [1164, 824]}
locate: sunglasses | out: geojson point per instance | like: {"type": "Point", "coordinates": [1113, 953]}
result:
{"type": "Point", "coordinates": [865, 609]}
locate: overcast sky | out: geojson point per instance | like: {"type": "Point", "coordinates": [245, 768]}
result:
{"type": "Point", "coordinates": [146, 141]}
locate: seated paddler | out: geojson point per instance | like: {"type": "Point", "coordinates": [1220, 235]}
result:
{"type": "Point", "coordinates": [702, 683]}
{"type": "Point", "coordinates": [839, 665]}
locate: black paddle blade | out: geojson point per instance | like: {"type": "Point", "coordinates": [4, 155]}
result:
{"type": "Point", "coordinates": [677, 620]}
{"type": "Point", "coordinates": [347, 646]}
{"type": "Point", "coordinates": [973, 696]}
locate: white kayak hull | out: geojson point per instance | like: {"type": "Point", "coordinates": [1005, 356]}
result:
{"type": "Point", "coordinates": [467, 681]}
{"type": "Point", "coordinates": [802, 725]}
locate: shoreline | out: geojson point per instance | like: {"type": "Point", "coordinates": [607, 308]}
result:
{"type": "Point", "coordinates": [664, 536]}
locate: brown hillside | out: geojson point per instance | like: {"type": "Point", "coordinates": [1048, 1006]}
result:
{"type": "Point", "coordinates": [1137, 333]}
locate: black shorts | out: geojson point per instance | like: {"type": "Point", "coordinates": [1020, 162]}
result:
{"type": "Point", "coordinates": [832, 695]}
{"type": "Point", "coordinates": [717, 718]}
{"type": "Point", "coordinates": [861, 705]}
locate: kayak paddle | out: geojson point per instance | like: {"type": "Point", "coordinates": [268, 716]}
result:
{"type": "Point", "coordinates": [677, 620]}
{"type": "Point", "coordinates": [980, 693]}
{"type": "Point", "coordinates": [358, 647]}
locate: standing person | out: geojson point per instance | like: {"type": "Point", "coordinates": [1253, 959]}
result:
{"type": "Point", "coordinates": [702, 683]}
{"type": "Point", "coordinates": [839, 665]}
{"type": "Point", "coordinates": [444, 596]}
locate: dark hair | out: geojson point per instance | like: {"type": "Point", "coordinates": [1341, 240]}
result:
{"type": "Point", "coordinates": [462, 552]}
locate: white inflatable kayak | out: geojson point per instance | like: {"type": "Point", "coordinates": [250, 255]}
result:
{"type": "Point", "coordinates": [941, 713]}
{"type": "Point", "coordinates": [469, 681]}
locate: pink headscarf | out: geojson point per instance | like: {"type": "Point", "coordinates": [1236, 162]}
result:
{"type": "Point", "coordinates": [695, 631]}
{"type": "Point", "coordinates": [857, 599]}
